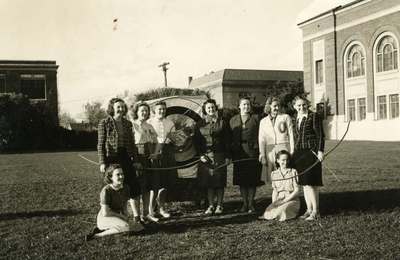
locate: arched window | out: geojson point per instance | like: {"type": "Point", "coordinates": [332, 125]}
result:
{"type": "Point", "coordinates": [386, 54]}
{"type": "Point", "coordinates": [355, 62]}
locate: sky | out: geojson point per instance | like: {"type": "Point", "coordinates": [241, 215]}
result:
{"type": "Point", "coordinates": [99, 59]}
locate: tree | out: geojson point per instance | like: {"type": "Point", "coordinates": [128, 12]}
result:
{"type": "Point", "coordinates": [94, 113]}
{"type": "Point", "coordinates": [66, 119]}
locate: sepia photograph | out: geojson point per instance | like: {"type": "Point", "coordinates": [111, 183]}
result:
{"type": "Point", "coordinates": [213, 129]}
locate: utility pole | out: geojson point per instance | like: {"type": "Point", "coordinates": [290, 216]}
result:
{"type": "Point", "coordinates": [164, 69]}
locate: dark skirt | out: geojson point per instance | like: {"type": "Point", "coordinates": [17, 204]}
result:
{"type": "Point", "coordinates": [210, 178]}
{"type": "Point", "coordinates": [149, 179]}
{"type": "Point", "coordinates": [167, 177]}
{"type": "Point", "coordinates": [304, 159]}
{"type": "Point", "coordinates": [246, 173]}
{"type": "Point", "coordinates": [130, 177]}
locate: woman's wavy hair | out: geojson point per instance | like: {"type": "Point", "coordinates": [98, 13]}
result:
{"type": "Point", "coordinates": [268, 102]}
{"type": "Point", "coordinates": [208, 101]}
{"type": "Point", "coordinates": [110, 108]}
{"type": "Point", "coordinates": [109, 172]}
{"type": "Point", "coordinates": [136, 107]}
{"type": "Point", "coordinates": [301, 97]}
{"type": "Point", "coordinates": [159, 103]}
{"type": "Point", "coordinates": [278, 155]}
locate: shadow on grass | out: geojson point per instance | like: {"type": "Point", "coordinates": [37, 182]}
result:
{"type": "Point", "coordinates": [331, 204]}
{"type": "Point", "coordinates": [368, 201]}
{"type": "Point", "coordinates": [40, 213]}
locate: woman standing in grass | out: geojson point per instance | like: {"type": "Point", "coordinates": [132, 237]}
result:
{"type": "Point", "coordinates": [145, 140]}
{"type": "Point", "coordinates": [247, 171]}
{"type": "Point", "coordinates": [308, 154]}
{"type": "Point", "coordinates": [113, 215]}
{"type": "Point", "coordinates": [116, 145]}
{"type": "Point", "coordinates": [163, 128]}
{"type": "Point", "coordinates": [213, 143]}
{"type": "Point", "coordinates": [276, 134]}
{"type": "Point", "coordinates": [285, 202]}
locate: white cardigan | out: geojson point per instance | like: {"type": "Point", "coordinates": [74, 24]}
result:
{"type": "Point", "coordinates": [279, 133]}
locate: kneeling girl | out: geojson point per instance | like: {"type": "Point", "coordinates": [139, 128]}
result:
{"type": "Point", "coordinates": [285, 202]}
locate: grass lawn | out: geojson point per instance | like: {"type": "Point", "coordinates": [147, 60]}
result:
{"type": "Point", "coordinates": [49, 201]}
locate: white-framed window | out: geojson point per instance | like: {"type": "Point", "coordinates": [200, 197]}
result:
{"type": "Point", "coordinates": [355, 61]}
{"type": "Point", "coordinates": [351, 109]}
{"type": "Point", "coordinates": [387, 54]}
{"type": "Point", "coordinates": [362, 108]}
{"type": "Point", "coordinates": [319, 72]}
{"type": "Point", "coordinates": [34, 86]}
{"type": "Point", "coordinates": [394, 105]}
{"type": "Point", "coordinates": [382, 108]}
{"type": "Point", "coordinates": [3, 88]}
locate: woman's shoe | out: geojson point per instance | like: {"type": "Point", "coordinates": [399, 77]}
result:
{"type": "Point", "coordinates": [210, 210]}
{"type": "Point", "coordinates": [251, 210]}
{"type": "Point", "coordinates": [243, 209]}
{"type": "Point", "coordinates": [313, 216]}
{"type": "Point", "coordinates": [151, 218]}
{"type": "Point", "coordinates": [218, 210]}
{"type": "Point", "coordinates": [91, 235]}
{"type": "Point", "coordinates": [164, 213]}
{"type": "Point", "coordinates": [305, 215]}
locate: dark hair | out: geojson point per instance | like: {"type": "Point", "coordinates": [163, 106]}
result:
{"type": "Point", "coordinates": [110, 108]}
{"type": "Point", "coordinates": [136, 107]}
{"type": "Point", "coordinates": [109, 172]}
{"type": "Point", "coordinates": [301, 97]}
{"type": "Point", "coordinates": [208, 101]}
{"type": "Point", "coordinates": [246, 98]}
{"type": "Point", "coordinates": [268, 102]}
{"type": "Point", "coordinates": [278, 155]}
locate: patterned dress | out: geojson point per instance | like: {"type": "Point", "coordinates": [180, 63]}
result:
{"type": "Point", "coordinates": [283, 188]}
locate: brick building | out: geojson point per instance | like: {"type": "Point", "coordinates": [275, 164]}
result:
{"type": "Point", "coordinates": [351, 67]}
{"type": "Point", "coordinates": [36, 79]}
{"type": "Point", "coordinates": [228, 85]}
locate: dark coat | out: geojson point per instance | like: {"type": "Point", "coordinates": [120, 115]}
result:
{"type": "Point", "coordinates": [310, 135]}
{"type": "Point", "coordinates": [107, 144]}
{"type": "Point", "coordinates": [247, 137]}
{"type": "Point", "coordinates": [213, 137]}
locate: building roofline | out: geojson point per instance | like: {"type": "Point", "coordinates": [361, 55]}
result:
{"type": "Point", "coordinates": [28, 64]}
{"type": "Point", "coordinates": [337, 8]}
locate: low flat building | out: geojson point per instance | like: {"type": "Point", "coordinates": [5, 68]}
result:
{"type": "Point", "coordinates": [35, 79]}
{"type": "Point", "coordinates": [227, 86]}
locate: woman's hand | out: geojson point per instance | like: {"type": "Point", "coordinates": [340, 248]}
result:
{"type": "Point", "coordinates": [203, 159]}
{"type": "Point", "coordinates": [138, 166]}
{"type": "Point", "coordinates": [262, 159]}
{"type": "Point", "coordinates": [228, 161]}
{"type": "Point", "coordinates": [320, 156]}
{"type": "Point", "coordinates": [102, 168]}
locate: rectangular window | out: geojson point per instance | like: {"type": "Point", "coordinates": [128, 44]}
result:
{"type": "Point", "coordinates": [351, 109]}
{"type": "Point", "coordinates": [379, 62]}
{"type": "Point", "coordinates": [319, 72]}
{"type": "Point", "coordinates": [34, 86]}
{"type": "Point", "coordinates": [3, 84]}
{"type": "Point", "coordinates": [362, 108]}
{"type": "Point", "coordinates": [394, 105]}
{"type": "Point", "coordinates": [382, 110]}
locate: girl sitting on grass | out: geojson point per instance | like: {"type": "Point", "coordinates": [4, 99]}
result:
{"type": "Point", "coordinates": [113, 215]}
{"type": "Point", "coordinates": [285, 202]}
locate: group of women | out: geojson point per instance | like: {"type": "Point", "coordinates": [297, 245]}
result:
{"type": "Point", "coordinates": [260, 150]}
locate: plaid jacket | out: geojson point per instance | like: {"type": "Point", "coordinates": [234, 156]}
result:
{"type": "Point", "coordinates": [107, 144]}
{"type": "Point", "coordinates": [310, 134]}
